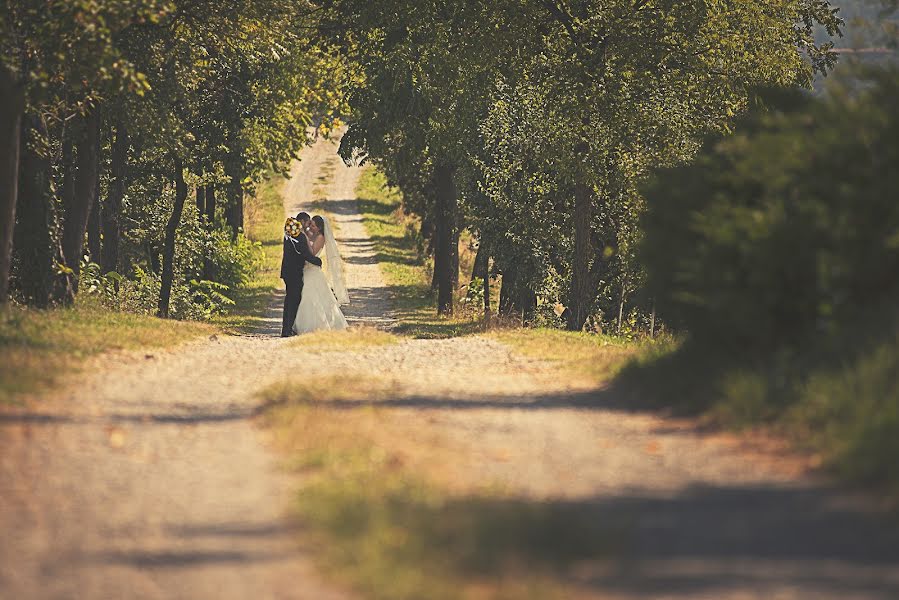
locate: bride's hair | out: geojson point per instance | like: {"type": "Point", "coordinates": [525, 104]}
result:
{"type": "Point", "coordinates": [320, 223]}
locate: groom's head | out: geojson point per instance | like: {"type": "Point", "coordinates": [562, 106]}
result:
{"type": "Point", "coordinates": [303, 218]}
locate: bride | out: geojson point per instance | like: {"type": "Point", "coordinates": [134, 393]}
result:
{"type": "Point", "coordinates": [319, 308]}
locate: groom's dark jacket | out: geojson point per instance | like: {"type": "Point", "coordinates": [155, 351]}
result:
{"type": "Point", "coordinates": [296, 252]}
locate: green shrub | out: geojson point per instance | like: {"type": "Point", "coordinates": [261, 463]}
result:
{"type": "Point", "coordinates": [778, 251]}
{"type": "Point", "coordinates": [786, 229]}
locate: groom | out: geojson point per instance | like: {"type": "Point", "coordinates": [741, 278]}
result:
{"type": "Point", "coordinates": [295, 255]}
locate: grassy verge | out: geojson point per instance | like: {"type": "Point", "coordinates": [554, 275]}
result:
{"type": "Point", "coordinates": [382, 520]}
{"type": "Point", "coordinates": [264, 224]}
{"type": "Point", "coordinates": [37, 347]}
{"type": "Point", "coordinates": [840, 403]}
{"type": "Point", "coordinates": [405, 273]}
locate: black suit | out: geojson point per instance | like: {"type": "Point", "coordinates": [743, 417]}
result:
{"type": "Point", "coordinates": [294, 257]}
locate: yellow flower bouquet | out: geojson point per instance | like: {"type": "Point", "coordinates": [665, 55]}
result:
{"type": "Point", "coordinates": [293, 228]}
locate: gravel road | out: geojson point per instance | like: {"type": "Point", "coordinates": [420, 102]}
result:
{"type": "Point", "coordinates": [149, 479]}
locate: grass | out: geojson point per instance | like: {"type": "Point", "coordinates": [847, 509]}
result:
{"type": "Point", "coordinates": [38, 347]}
{"type": "Point", "coordinates": [374, 504]}
{"type": "Point", "coordinates": [840, 403]}
{"type": "Point", "coordinates": [406, 274]}
{"type": "Point", "coordinates": [264, 220]}
{"type": "Point", "coordinates": [592, 357]}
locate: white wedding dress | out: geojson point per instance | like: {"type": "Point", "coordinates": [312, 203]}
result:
{"type": "Point", "coordinates": [319, 308]}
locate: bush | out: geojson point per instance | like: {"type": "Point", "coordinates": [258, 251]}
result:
{"type": "Point", "coordinates": [778, 250]}
{"type": "Point", "coordinates": [787, 229]}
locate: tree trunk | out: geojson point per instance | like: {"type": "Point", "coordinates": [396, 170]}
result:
{"type": "Point", "coordinates": [621, 298]}
{"type": "Point", "coordinates": [445, 189]}
{"type": "Point", "coordinates": [427, 237]}
{"type": "Point", "coordinates": [581, 294]}
{"type": "Point", "coordinates": [84, 193]}
{"type": "Point", "coordinates": [435, 243]}
{"type": "Point", "coordinates": [210, 205]}
{"type": "Point", "coordinates": [234, 190]}
{"type": "Point", "coordinates": [481, 259]}
{"type": "Point", "coordinates": [481, 270]}
{"type": "Point", "coordinates": [37, 245]}
{"type": "Point", "coordinates": [652, 321]}
{"type": "Point", "coordinates": [168, 252]}
{"type": "Point", "coordinates": [487, 300]}
{"type": "Point", "coordinates": [209, 196]}
{"type": "Point", "coordinates": [12, 102]}
{"type": "Point", "coordinates": [112, 208]}
{"type": "Point", "coordinates": [201, 200]}
{"type": "Point", "coordinates": [527, 302]}
{"type": "Point", "coordinates": [454, 248]}
{"type": "Point", "coordinates": [93, 231]}
{"type": "Point", "coordinates": [507, 296]}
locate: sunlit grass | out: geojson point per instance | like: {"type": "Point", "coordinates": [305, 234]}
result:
{"type": "Point", "coordinates": [407, 276]}
{"type": "Point", "coordinates": [375, 505]}
{"type": "Point", "coordinates": [38, 347]}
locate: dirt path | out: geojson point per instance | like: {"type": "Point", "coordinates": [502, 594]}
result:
{"type": "Point", "coordinates": [149, 479]}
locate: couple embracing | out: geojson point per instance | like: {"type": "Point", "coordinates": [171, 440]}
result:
{"type": "Point", "coordinates": [314, 293]}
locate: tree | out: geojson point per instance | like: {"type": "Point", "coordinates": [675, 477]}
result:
{"type": "Point", "coordinates": [12, 100]}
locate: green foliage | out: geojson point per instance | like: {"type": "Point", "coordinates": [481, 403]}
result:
{"type": "Point", "coordinates": [529, 101]}
{"type": "Point", "coordinates": [229, 90]}
{"type": "Point", "coordinates": [778, 250]}
{"type": "Point", "coordinates": [105, 285]}
{"type": "Point", "coordinates": [787, 229]}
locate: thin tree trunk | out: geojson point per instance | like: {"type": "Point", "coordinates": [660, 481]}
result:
{"type": "Point", "coordinates": [652, 321]}
{"type": "Point", "coordinates": [446, 220]}
{"type": "Point", "coordinates": [12, 102]}
{"type": "Point", "coordinates": [93, 231]}
{"type": "Point", "coordinates": [435, 243]}
{"type": "Point", "coordinates": [209, 197]}
{"type": "Point", "coordinates": [234, 188]}
{"type": "Point", "coordinates": [487, 301]}
{"type": "Point", "coordinates": [112, 208]}
{"type": "Point", "coordinates": [168, 253]}
{"type": "Point", "coordinates": [455, 256]}
{"type": "Point", "coordinates": [580, 295]}
{"type": "Point", "coordinates": [621, 304]}
{"type": "Point", "coordinates": [85, 191]}
{"type": "Point", "coordinates": [481, 271]}
{"type": "Point", "coordinates": [210, 204]}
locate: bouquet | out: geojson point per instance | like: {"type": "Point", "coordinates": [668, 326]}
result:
{"type": "Point", "coordinates": [293, 228]}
